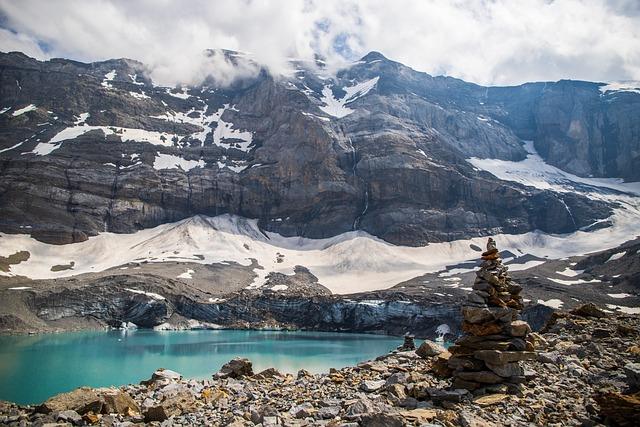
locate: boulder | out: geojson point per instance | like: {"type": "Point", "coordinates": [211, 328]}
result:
{"type": "Point", "coordinates": [441, 365]}
{"type": "Point", "coordinates": [172, 406]}
{"type": "Point", "coordinates": [372, 385]}
{"type": "Point", "coordinates": [268, 373]}
{"type": "Point", "coordinates": [467, 419]}
{"type": "Point", "coordinates": [589, 310]}
{"type": "Point", "coordinates": [360, 407]}
{"type": "Point", "coordinates": [619, 409]}
{"type": "Point", "coordinates": [328, 412]}
{"type": "Point", "coordinates": [519, 328]}
{"type": "Point", "coordinates": [303, 410]}
{"type": "Point", "coordinates": [81, 400]}
{"type": "Point", "coordinates": [465, 384]}
{"type": "Point", "coordinates": [429, 349]}
{"type": "Point", "coordinates": [632, 373]}
{"type": "Point", "coordinates": [419, 416]}
{"type": "Point", "coordinates": [118, 402]}
{"type": "Point", "coordinates": [71, 417]}
{"type": "Point", "coordinates": [162, 375]}
{"type": "Point", "coordinates": [236, 368]}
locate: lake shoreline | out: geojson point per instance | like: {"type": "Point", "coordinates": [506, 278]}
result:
{"type": "Point", "coordinates": [584, 367]}
{"type": "Point", "coordinates": [116, 357]}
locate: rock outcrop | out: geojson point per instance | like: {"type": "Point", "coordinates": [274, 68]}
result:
{"type": "Point", "coordinates": [496, 340]}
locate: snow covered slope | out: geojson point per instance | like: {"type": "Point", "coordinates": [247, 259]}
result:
{"type": "Point", "coordinates": [350, 262]}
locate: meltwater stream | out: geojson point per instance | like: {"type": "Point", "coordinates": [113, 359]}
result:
{"type": "Point", "coordinates": [35, 367]}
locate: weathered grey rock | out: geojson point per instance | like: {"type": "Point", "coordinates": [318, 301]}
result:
{"type": "Point", "coordinates": [70, 416]}
{"type": "Point", "coordinates": [396, 378]}
{"type": "Point", "coordinates": [502, 357]}
{"type": "Point", "coordinates": [163, 376]}
{"type": "Point", "coordinates": [362, 406]}
{"type": "Point", "coordinates": [303, 410]}
{"type": "Point", "coordinates": [506, 370]}
{"type": "Point", "coordinates": [328, 412]}
{"type": "Point", "coordinates": [429, 349]}
{"type": "Point", "coordinates": [372, 385]}
{"type": "Point", "coordinates": [632, 373]}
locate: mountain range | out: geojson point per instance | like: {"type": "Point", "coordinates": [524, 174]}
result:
{"type": "Point", "coordinates": [320, 181]}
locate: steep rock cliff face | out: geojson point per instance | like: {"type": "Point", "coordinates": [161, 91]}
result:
{"type": "Point", "coordinates": [87, 148]}
{"type": "Point", "coordinates": [582, 127]}
{"type": "Point", "coordinates": [150, 301]}
{"type": "Point", "coordinates": [587, 132]}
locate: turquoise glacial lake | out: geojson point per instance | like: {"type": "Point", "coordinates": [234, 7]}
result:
{"type": "Point", "coordinates": [35, 367]}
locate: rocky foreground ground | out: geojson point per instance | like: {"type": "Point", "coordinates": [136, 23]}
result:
{"type": "Point", "coordinates": [586, 373]}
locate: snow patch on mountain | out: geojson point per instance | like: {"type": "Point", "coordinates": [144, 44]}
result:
{"type": "Point", "coordinates": [139, 95]}
{"type": "Point", "coordinates": [573, 282]}
{"type": "Point", "coordinates": [535, 172]}
{"type": "Point", "coordinates": [553, 303]}
{"type": "Point", "coordinates": [125, 134]}
{"type": "Point", "coordinates": [182, 94]}
{"type": "Point", "coordinates": [23, 110]}
{"type": "Point", "coordinates": [338, 107]}
{"type": "Point", "coordinates": [619, 296]}
{"type": "Point", "coordinates": [224, 133]}
{"type": "Point", "coordinates": [109, 78]}
{"type": "Point", "coordinates": [134, 79]}
{"type": "Point", "coordinates": [623, 86]}
{"type": "Point", "coordinates": [624, 309]}
{"type": "Point", "coordinates": [149, 294]}
{"type": "Point", "coordinates": [170, 161]}
{"type": "Point", "coordinates": [616, 256]}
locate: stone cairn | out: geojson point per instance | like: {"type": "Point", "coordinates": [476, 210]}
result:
{"type": "Point", "coordinates": [408, 344]}
{"type": "Point", "coordinates": [486, 358]}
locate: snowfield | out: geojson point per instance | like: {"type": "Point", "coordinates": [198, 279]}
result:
{"type": "Point", "coordinates": [347, 263]}
{"type": "Point", "coordinates": [169, 161]}
{"type": "Point", "coordinates": [338, 107]}
{"type": "Point", "coordinates": [351, 262]}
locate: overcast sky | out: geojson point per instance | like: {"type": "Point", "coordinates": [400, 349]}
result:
{"type": "Point", "coordinates": [495, 42]}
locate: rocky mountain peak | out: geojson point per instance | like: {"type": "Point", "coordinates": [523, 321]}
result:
{"type": "Point", "coordinates": [373, 56]}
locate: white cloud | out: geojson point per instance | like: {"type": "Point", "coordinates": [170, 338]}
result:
{"type": "Point", "coordinates": [489, 42]}
{"type": "Point", "coordinates": [10, 41]}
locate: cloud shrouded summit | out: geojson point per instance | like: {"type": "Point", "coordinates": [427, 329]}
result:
{"type": "Point", "coordinates": [488, 42]}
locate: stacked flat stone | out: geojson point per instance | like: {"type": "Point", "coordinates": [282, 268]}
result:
{"type": "Point", "coordinates": [487, 356]}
